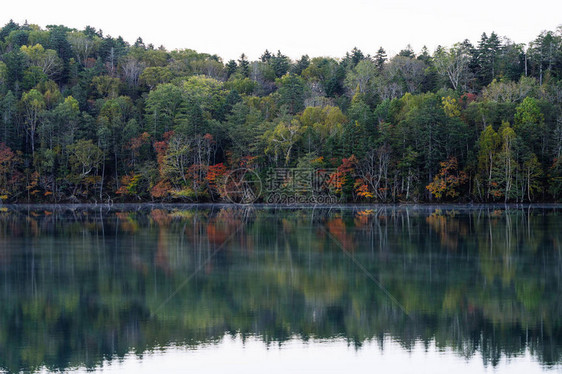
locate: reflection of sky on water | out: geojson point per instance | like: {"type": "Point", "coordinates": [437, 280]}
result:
{"type": "Point", "coordinates": [295, 356]}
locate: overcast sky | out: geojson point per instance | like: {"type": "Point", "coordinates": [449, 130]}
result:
{"type": "Point", "coordinates": [314, 27]}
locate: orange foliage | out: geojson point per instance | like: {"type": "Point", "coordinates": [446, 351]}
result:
{"type": "Point", "coordinates": [161, 147]}
{"type": "Point", "coordinates": [338, 179]}
{"type": "Point", "coordinates": [129, 184]}
{"type": "Point", "coordinates": [337, 228]}
{"type": "Point", "coordinates": [161, 257]}
{"type": "Point", "coordinates": [161, 189]}
{"type": "Point", "coordinates": [448, 179]}
{"type": "Point", "coordinates": [33, 183]}
{"type": "Point", "coordinates": [209, 138]}
{"type": "Point", "coordinates": [362, 217]}
{"type": "Point", "coordinates": [136, 143]}
{"type": "Point", "coordinates": [6, 157]}
{"type": "Point", "coordinates": [161, 217]}
{"type": "Point", "coordinates": [247, 161]}
{"type": "Point", "coordinates": [215, 173]}
{"type": "Point", "coordinates": [217, 232]}
{"type": "Point", "coordinates": [448, 228]}
{"type": "Point", "coordinates": [168, 135]}
{"type": "Point", "coordinates": [125, 180]}
{"type": "Point", "coordinates": [362, 190]}
{"type": "Point", "coordinates": [128, 224]}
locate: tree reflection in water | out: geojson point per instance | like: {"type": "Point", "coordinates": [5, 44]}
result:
{"type": "Point", "coordinates": [83, 284]}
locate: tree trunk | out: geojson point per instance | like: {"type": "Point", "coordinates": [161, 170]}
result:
{"type": "Point", "coordinates": [101, 182]}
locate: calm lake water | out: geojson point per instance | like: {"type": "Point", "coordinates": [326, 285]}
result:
{"type": "Point", "coordinates": [158, 288]}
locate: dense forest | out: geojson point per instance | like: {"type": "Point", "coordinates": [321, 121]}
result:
{"type": "Point", "coordinates": [88, 117]}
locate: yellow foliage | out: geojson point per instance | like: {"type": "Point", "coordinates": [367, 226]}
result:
{"type": "Point", "coordinates": [451, 107]}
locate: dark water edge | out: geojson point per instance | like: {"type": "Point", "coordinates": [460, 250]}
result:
{"type": "Point", "coordinates": [416, 206]}
{"type": "Point", "coordinates": [84, 284]}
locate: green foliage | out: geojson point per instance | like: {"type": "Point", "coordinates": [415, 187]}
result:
{"type": "Point", "coordinates": [491, 107]}
{"type": "Point", "coordinates": [162, 107]}
{"type": "Point", "coordinates": [291, 92]}
{"type": "Point", "coordinates": [281, 139]}
{"type": "Point", "coordinates": [85, 156]}
{"type": "Point", "coordinates": [243, 86]}
{"type": "Point", "coordinates": [528, 113]}
{"type": "Point", "coordinates": [106, 86]}
{"type": "Point", "coordinates": [153, 76]}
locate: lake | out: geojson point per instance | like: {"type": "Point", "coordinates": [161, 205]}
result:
{"type": "Point", "coordinates": [191, 288]}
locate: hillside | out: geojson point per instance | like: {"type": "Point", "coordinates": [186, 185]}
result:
{"type": "Point", "coordinates": [88, 117]}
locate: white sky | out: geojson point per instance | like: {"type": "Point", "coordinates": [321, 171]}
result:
{"type": "Point", "coordinates": [314, 27]}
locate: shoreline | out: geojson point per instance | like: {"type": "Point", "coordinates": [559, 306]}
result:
{"type": "Point", "coordinates": [415, 206]}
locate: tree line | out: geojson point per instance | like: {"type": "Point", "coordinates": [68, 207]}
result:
{"type": "Point", "coordinates": [88, 117]}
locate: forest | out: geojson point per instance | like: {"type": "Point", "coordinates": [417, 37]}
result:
{"type": "Point", "coordinates": [87, 117]}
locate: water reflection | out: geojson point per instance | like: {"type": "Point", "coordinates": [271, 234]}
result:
{"type": "Point", "coordinates": [80, 286]}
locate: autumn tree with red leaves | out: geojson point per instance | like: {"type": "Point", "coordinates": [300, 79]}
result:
{"type": "Point", "coordinates": [446, 183]}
